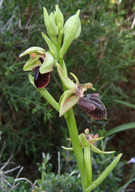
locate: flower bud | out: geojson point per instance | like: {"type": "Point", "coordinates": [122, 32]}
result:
{"type": "Point", "coordinates": [50, 24]}
{"type": "Point", "coordinates": [72, 30]}
{"type": "Point", "coordinates": [53, 24]}
{"type": "Point", "coordinates": [59, 19]}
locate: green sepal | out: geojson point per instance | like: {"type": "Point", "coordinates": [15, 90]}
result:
{"type": "Point", "coordinates": [104, 174]}
{"type": "Point", "coordinates": [97, 139]}
{"type": "Point", "coordinates": [84, 142]}
{"type": "Point", "coordinates": [67, 148]}
{"type": "Point", "coordinates": [34, 49]}
{"type": "Point", "coordinates": [67, 100]}
{"type": "Point", "coordinates": [52, 48]}
{"type": "Point", "coordinates": [96, 150]}
{"type": "Point", "coordinates": [31, 63]}
{"type": "Point", "coordinates": [69, 84]}
{"type": "Point", "coordinates": [48, 63]}
{"type": "Point", "coordinates": [72, 30]}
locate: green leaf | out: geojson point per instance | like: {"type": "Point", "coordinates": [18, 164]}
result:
{"type": "Point", "coordinates": [119, 128]}
{"type": "Point", "coordinates": [125, 186]}
{"type": "Point", "coordinates": [125, 103]}
{"type": "Point", "coordinates": [104, 174]}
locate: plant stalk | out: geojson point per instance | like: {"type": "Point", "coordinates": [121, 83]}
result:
{"type": "Point", "coordinates": [72, 127]}
{"type": "Point", "coordinates": [87, 158]}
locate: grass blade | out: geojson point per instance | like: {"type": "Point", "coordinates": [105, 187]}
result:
{"type": "Point", "coordinates": [122, 127]}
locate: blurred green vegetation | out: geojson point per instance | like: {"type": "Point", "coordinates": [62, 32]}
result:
{"type": "Point", "coordinates": [103, 55]}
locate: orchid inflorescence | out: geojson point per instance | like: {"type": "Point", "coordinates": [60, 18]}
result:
{"type": "Point", "coordinates": [59, 37]}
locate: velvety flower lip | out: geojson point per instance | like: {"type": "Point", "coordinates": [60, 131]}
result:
{"type": "Point", "coordinates": [93, 106]}
{"type": "Point", "coordinates": [41, 80]}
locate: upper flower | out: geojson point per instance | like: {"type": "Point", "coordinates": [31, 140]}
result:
{"type": "Point", "coordinates": [41, 63]}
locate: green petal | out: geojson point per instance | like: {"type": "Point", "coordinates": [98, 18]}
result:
{"type": "Point", "coordinates": [76, 79]}
{"type": "Point", "coordinates": [34, 49]}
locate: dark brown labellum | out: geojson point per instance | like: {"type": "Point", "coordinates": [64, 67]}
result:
{"type": "Point", "coordinates": [41, 80]}
{"type": "Point", "coordinates": [41, 60]}
{"type": "Point", "coordinates": [92, 105]}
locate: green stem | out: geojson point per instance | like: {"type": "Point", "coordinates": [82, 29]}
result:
{"type": "Point", "coordinates": [73, 132]}
{"type": "Point", "coordinates": [49, 98]}
{"type": "Point", "coordinates": [45, 94]}
{"type": "Point", "coordinates": [87, 158]}
{"type": "Point", "coordinates": [71, 123]}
